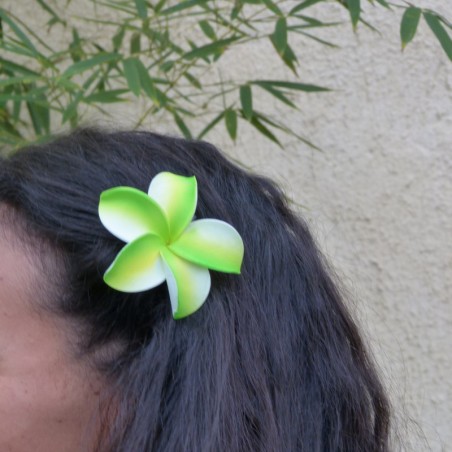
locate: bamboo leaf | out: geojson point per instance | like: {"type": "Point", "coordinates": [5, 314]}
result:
{"type": "Point", "coordinates": [182, 6]}
{"type": "Point", "coordinates": [182, 126]}
{"type": "Point", "coordinates": [440, 32]}
{"type": "Point", "coordinates": [279, 36]}
{"type": "Point", "coordinates": [17, 106]}
{"type": "Point", "coordinates": [70, 113]}
{"type": "Point", "coordinates": [159, 6]}
{"type": "Point", "coordinates": [246, 99]}
{"type": "Point", "coordinates": [135, 43]}
{"type": "Point", "coordinates": [55, 18]}
{"type": "Point", "coordinates": [264, 130]}
{"type": "Point", "coordinates": [236, 9]}
{"type": "Point", "coordinates": [303, 5]}
{"type": "Point", "coordinates": [75, 47]}
{"type": "Point", "coordinates": [290, 85]}
{"type": "Point", "coordinates": [38, 108]}
{"type": "Point", "coordinates": [142, 8]}
{"type": "Point", "coordinates": [31, 95]}
{"type": "Point", "coordinates": [408, 25]}
{"type": "Point", "coordinates": [286, 129]}
{"type": "Point", "coordinates": [209, 49]}
{"type": "Point", "coordinates": [108, 97]}
{"type": "Point", "coordinates": [354, 8]}
{"type": "Point", "coordinates": [84, 65]}
{"type": "Point", "coordinates": [290, 58]}
{"type": "Point", "coordinates": [312, 22]}
{"type": "Point", "coordinates": [19, 79]}
{"type": "Point", "coordinates": [146, 82]}
{"type": "Point", "coordinates": [230, 118]}
{"type": "Point", "coordinates": [118, 38]}
{"type": "Point", "coordinates": [211, 125]}
{"type": "Point", "coordinates": [272, 7]}
{"type": "Point", "coordinates": [19, 33]}
{"type": "Point", "coordinates": [166, 66]}
{"type": "Point", "coordinates": [194, 81]}
{"type": "Point", "coordinates": [320, 41]}
{"type": "Point", "coordinates": [383, 3]}
{"type": "Point", "coordinates": [279, 95]}
{"type": "Point", "coordinates": [208, 30]}
{"type": "Point", "coordinates": [132, 75]}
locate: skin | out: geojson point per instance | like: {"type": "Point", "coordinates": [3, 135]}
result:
{"type": "Point", "coordinates": [48, 399]}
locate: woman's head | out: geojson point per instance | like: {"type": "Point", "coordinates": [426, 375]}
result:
{"type": "Point", "coordinates": [272, 360]}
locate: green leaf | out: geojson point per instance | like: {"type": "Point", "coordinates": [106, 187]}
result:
{"type": "Point", "coordinates": [135, 43]}
{"type": "Point", "coordinates": [272, 7]}
{"type": "Point", "coordinates": [264, 130]}
{"type": "Point", "coordinates": [107, 97]}
{"type": "Point", "coordinates": [70, 113]}
{"type": "Point", "coordinates": [84, 65]}
{"type": "Point", "coordinates": [39, 114]}
{"type": "Point", "coordinates": [303, 5]}
{"type": "Point", "coordinates": [19, 79]}
{"type": "Point", "coordinates": [279, 95]}
{"type": "Point", "coordinates": [75, 47]}
{"type": "Point", "coordinates": [230, 118]}
{"type": "Point", "coordinates": [142, 8]}
{"type": "Point", "coordinates": [17, 107]}
{"type": "Point", "coordinates": [19, 33]}
{"type": "Point", "coordinates": [166, 66]}
{"type": "Point", "coordinates": [285, 129]}
{"type": "Point", "coordinates": [211, 125]}
{"type": "Point", "coordinates": [246, 99]}
{"type": "Point", "coordinates": [159, 6]}
{"type": "Point", "coordinates": [236, 9]}
{"type": "Point", "coordinates": [440, 33]}
{"type": "Point", "coordinates": [408, 25]}
{"type": "Point", "coordinates": [182, 126]}
{"type": "Point", "coordinates": [290, 58]}
{"type": "Point", "coordinates": [31, 95]}
{"type": "Point", "coordinates": [55, 18]}
{"type": "Point", "coordinates": [311, 22]}
{"type": "Point", "coordinates": [320, 41]}
{"type": "Point", "coordinates": [209, 49]}
{"type": "Point", "coordinates": [118, 38]}
{"type": "Point", "coordinates": [146, 82]}
{"type": "Point", "coordinates": [290, 85]}
{"type": "Point", "coordinates": [132, 75]}
{"type": "Point", "coordinates": [354, 8]}
{"type": "Point", "coordinates": [279, 36]}
{"type": "Point", "coordinates": [207, 30]}
{"type": "Point", "coordinates": [194, 81]}
{"type": "Point", "coordinates": [383, 3]}
{"type": "Point", "coordinates": [182, 6]}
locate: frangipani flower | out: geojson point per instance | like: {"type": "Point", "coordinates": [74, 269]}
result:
{"type": "Point", "coordinates": [163, 243]}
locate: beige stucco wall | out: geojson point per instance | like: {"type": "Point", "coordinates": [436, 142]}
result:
{"type": "Point", "coordinates": [378, 197]}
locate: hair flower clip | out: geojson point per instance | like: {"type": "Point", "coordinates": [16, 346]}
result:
{"type": "Point", "coordinates": [163, 243]}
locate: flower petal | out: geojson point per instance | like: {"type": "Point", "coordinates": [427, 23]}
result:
{"type": "Point", "coordinates": [177, 196]}
{"type": "Point", "coordinates": [138, 266]}
{"type": "Point", "coordinates": [188, 284]}
{"type": "Point", "coordinates": [129, 213]}
{"type": "Point", "coordinates": [211, 243]}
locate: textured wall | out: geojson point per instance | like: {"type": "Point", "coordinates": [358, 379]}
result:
{"type": "Point", "coordinates": [379, 196]}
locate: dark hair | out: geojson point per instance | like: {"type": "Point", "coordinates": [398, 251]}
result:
{"type": "Point", "coordinates": [271, 362]}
